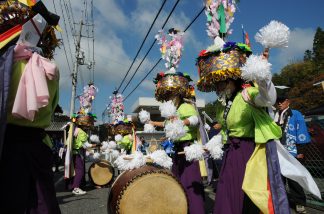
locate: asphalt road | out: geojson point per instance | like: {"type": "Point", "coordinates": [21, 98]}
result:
{"type": "Point", "coordinates": [95, 201]}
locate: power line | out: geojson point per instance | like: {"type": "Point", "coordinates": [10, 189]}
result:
{"type": "Point", "coordinates": [71, 23]}
{"type": "Point", "coordinates": [142, 44]}
{"type": "Point", "coordinates": [202, 10]}
{"type": "Point", "coordinates": [143, 78]}
{"type": "Point", "coordinates": [93, 43]}
{"type": "Point", "coordinates": [165, 22]}
{"type": "Point", "coordinates": [67, 60]}
{"type": "Point", "coordinates": [65, 27]}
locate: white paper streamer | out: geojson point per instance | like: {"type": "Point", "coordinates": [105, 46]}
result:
{"type": "Point", "coordinates": [194, 152]}
{"type": "Point", "coordinates": [168, 109]}
{"type": "Point", "coordinates": [273, 35]}
{"type": "Point", "coordinates": [214, 146]}
{"type": "Point", "coordinates": [161, 158]}
{"type": "Point", "coordinates": [256, 68]}
{"type": "Point", "coordinates": [291, 168]}
{"type": "Point", "coordinates": [218, 45]}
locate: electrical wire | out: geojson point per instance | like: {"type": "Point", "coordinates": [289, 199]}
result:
{"type": "Point", "coordinates": [142, 44]}
{"type": "Point", "coordinates": [66, 57]}
{"type": "Point", "coordinates": [165, 22]}
{"type": "Point", "coordinates": [161, 58]}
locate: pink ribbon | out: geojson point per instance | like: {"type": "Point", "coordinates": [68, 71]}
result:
{"type": "Point", "coordinates": [32, 93]}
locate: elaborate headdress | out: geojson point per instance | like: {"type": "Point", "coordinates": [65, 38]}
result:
{"type": "Point", "coordinates": [171, 82]}
{"type": "Point", "coordinates": [20, 17]}
{"type": "Point", "coordinates": [84, 116]}
{"type": "Point", "coordinates": [224, 60]}
{"type": "Point", "coordinates": [120, 124]}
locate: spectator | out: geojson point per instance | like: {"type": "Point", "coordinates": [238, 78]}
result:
{"type": "Point", "coordinates": [295, 133]}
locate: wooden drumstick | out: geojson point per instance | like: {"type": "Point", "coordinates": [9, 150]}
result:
{"type": "Point", "coordinates": [148, 159]}
{"type": "Point", "coordinates": [182, 153]}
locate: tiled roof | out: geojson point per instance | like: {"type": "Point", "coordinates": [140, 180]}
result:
{"type": "Point", "coordinates": [56, 126]}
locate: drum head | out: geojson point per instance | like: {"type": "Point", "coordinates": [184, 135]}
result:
{"type": "Point", "coordinates": [101, 173]}
{"type": "Point", "coordinates": [154, 193]}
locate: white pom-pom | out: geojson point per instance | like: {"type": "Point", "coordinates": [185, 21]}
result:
{"type": "Point", "coordinates": [96, 156]}
{"type": "Point", "coordinates": [168, 109]}
{"type": "Point", "coordinates": [161, 158]}
{"type": "Point", "coordinates": [149, 128]}
{"type": "Point", "coordinates": [194, 152]}
{"type": "Point", "coordinates": [144, 116]}
{"type": "Point", "coordinates": [136, 161]}
{"type": "Point", "coordinates": [104, 145]}
{"type": "Point", "coordinates": [214, 146]}
{"type": "Point", "coordinates": [112, 145]}
{"type": "Point", "coordinates": [256, 68]}
{"type": "Point", "coordinates": [174, 130]}
{"type": "Point", "coordinates": [114, 154]}
{"type": "Point", "coordinates": [87, 145]}
{"type": "Point", "coordinates": [94, 138]}
{"type": "Point", "coordinates": [118, 138]}
{"type": "Point", "coordinates": [273, 35]}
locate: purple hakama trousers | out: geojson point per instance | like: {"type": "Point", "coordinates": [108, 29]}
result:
{"type": "Point", "coordinates": [230, 198]}
{"type": "Point", "coordinates": [26, 180]}
{"type": "Point", "coordinates": [79, 166]}
{"type": "Point", "coordinates": [188, 173]}
{"type": "Point", "coordinates": [229, 195]}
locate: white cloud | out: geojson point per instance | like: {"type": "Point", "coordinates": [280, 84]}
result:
{"type": "Point", "coordinates": [300, 40]}
{"type": "Point", "coordinates": [112, 14]}
{"type": "Point", "coordinates": [148, 85]}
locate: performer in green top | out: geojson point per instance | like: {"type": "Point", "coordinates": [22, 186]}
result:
{"type": "Point", "coordinates": [248, 131]}
{"type": "Point", "coordinates": [79, 145]}
{"type": "Point", "coordinates": [30, 99]}
{"type": "Point", "coordinates": [174, 87]}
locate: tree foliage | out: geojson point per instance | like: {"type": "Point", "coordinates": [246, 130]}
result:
{"type": "Point", "coordinates": [301, 76]}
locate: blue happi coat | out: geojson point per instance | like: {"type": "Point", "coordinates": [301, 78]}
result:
{"type": "Point", "coordinates": [296, 132]}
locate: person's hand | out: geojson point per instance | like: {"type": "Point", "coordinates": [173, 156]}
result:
{"type": "Point", "coordinates": [173, 118]}
{"type": "Point", "coordinates": [265, 54]}
{"type": "Point", "coordinates": [217, 126]}
{"type": "Point", "coordinates": [300, 156]}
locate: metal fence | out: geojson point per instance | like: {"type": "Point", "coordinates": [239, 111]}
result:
{"type": "Point", "coordinates": [314, 162]}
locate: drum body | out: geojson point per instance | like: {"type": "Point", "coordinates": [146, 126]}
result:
{"type": "Point", "coordinates": [101, 173]}
{"type": "Point", "coordinates": [147, 189]}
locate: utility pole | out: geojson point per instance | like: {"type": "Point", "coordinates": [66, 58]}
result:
{"type": "Point", "coordinates": [78, 61]}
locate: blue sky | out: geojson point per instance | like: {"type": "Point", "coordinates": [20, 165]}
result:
{"type": "Point", "coordinates": [120, 26]}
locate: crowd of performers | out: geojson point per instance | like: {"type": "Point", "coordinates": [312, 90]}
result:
{"type": "Point", "coordinates": [257, 148]}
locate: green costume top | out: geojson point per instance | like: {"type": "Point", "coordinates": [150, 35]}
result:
{"type": "Point", "coordinates": [248, 121]}
{"type": "Point", "coordinates": [43, 116]}
{"type": "Point", "coordinates": [80, 139]}
{"type": "Point", "coordinates": [125, 143]}
{"type": "Point", "coordinates": [184, 111]}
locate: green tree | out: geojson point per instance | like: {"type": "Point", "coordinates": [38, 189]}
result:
{"type": "Point", "coordinates": [308, 55]}
{"type": "Point", "coordinates": [318, 49]}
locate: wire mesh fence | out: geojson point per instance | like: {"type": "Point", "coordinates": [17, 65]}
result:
{"type": "Point", "coordinates": [314, 162]}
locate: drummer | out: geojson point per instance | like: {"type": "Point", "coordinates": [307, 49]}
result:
{"type": "Point", "coordinates": [80, 144]}
{"type": "Point", "coordinates": [188, 173]}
